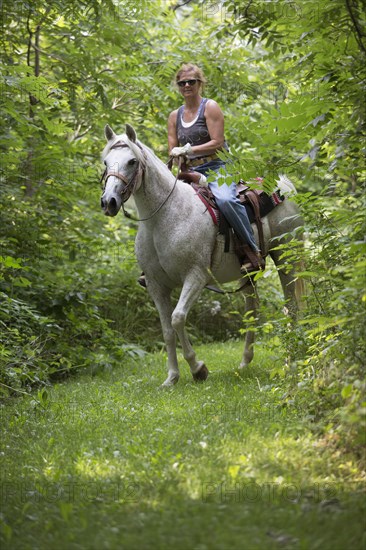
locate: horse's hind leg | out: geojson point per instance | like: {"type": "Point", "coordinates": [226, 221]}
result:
{"type": "Point", "coordinates": [251, 302]}
{"type": "Point", "coordinates": [289, 282]}
{"type": "Point", "coordinates": [161, 297]}
{"type": "Point", "coordinates": [191, 290]}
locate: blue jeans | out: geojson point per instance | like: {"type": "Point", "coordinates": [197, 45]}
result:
{"type": "Point", "coordinates": [229, 204]}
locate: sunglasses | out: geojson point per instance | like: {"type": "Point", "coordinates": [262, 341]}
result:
{"type": "Point", "coordinates": [191, 82]}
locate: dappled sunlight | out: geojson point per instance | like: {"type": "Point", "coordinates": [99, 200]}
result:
{"type": "Point", "coordinates": [265, 467]}
{"type": "Point", "coordinates": [102, 468]}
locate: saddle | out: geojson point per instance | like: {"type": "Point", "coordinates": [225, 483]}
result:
{"type": "Point", "coordinates": [256, 202]}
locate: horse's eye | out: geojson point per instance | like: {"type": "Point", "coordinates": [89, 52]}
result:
{"type": "Point", "coordinates": [105, 163]}
{"type": "Point", "coordinates": [132, 162]}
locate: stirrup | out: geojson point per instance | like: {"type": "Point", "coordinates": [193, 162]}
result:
{"type": "Point", "coordinates": [249, 267]}
{"type": "Point", "coordinates": [142, 280]}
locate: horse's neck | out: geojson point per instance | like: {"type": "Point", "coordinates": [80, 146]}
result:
{"type": "Point", "coordinates": [154, 190]}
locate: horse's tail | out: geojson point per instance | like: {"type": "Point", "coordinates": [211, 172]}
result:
{"type": "Point", "coordinates": [300, 289]}
{"type": "Point", "coordinates": [286, 186]}
{"type": "Point", "coordinates": [288, 189]}
{"type": "Point", "coordinates": [300, 285]}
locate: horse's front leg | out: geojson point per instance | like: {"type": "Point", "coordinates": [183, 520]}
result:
{"type": "Point", "coordinates": [192, 288]}
{"type": "Point", "coordinates": [161, 297]}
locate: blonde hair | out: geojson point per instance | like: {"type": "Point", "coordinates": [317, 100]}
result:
{"type": "Point", "coordinates": [198, 73]}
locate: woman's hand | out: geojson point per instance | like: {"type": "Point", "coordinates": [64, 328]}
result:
{"type": "Point", "coordinates": [181, 151]}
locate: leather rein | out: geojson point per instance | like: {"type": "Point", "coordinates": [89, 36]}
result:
{"type": "Point", "coordinates": [130, 185]}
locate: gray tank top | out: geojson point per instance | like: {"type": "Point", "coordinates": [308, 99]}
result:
{"type": "Point", "coordinates": [197, 133]}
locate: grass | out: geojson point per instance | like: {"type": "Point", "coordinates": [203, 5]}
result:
{"type": "Point", "coordinates": [106, 461]}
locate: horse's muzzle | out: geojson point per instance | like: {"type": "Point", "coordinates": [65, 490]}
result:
{"type": "Point", "coordinates": [111, 207]}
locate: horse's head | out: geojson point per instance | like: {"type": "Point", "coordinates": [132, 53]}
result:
{"type": "Point", "coordinates": [123, 159]}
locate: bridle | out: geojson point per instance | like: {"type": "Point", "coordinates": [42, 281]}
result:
{"type": "Point", "coordinates": [130, 185]}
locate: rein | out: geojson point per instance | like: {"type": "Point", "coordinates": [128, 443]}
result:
{"type": "Point", "coordinates": [130, 185]}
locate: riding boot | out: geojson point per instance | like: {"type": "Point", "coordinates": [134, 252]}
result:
{"type": "Point", "coordinates": [250, 259]}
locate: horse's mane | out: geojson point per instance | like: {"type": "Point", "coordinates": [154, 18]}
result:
{"type": "Point", "coordinates": [144, 155]}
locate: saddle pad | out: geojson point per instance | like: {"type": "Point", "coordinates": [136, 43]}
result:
{"type": "Point", "coordinates": [266, 204]}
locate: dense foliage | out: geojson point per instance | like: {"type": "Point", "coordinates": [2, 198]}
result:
{"type": "Point", "coordinates": [290, 77]}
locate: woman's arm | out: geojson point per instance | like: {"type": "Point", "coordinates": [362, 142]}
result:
{"type": "Point", "coordinates": [172, 130]}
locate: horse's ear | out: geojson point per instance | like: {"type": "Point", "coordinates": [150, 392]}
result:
{"type": "Point", "coordinates": [130, 133]}
{"type": "Point", "coordinates": [108, 132]}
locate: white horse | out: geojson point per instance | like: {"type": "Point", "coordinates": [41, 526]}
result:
{"type": "Point", "coordinates": [177, 244]}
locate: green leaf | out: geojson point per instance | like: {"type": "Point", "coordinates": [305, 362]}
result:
{"type": "Point", "coordinates": [346, 391]}
{"type": "Point", "coordinates": [11, 262]}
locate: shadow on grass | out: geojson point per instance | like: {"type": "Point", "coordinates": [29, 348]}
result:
{"type": "Point", "coordinates": [118, 512]}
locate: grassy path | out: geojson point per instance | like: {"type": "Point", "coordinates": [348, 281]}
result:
{"type": "Point", "coordinates": [109, 462]}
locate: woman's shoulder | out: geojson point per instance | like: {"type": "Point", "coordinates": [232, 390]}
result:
{"type": "Point", "coordinates": [212, 105]}
{"type": "Point", "coordinates": [173, 115]}
{"type": "Point", "coordinates": [212, 108]}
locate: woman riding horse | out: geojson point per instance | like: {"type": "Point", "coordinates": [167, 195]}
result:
{"type": "Point", "coordinates": [196, 130]}
{"type": "Point", "coordinates": [177, 244]}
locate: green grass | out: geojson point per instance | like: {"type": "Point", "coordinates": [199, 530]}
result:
{"type": "Point", "coordinates": [107, 461]}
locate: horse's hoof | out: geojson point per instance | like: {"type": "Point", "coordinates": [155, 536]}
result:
{"type": "Point", "coordinates": [169, 383]}
{"type": "Point", "coordinates": [201, 375]}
